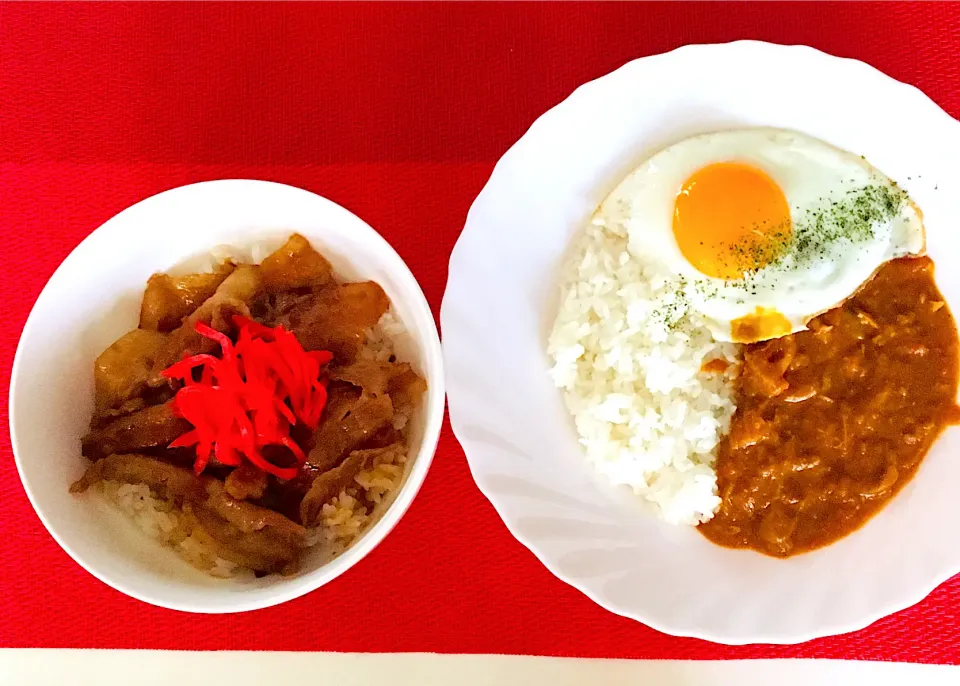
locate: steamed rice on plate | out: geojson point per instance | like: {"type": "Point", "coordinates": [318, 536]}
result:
{"type": "Point", "coordinates": [751, 339]}
{"type": "Point", "coordinates": [646, 414]}
{"type": "Point", "coordinates": [259, 409]}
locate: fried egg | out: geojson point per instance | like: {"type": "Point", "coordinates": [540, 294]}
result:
{"type": "Point", "coordinates": [765, 228]}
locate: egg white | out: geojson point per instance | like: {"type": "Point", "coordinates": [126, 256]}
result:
{"type": "Point", "coordinates": [813, 175]}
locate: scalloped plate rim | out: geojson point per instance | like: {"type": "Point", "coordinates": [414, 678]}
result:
{"type": "Point", "coordinates": [502, 508]}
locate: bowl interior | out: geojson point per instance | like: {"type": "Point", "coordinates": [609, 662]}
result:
{"type": "Point", "coordinates": [94, 297]}
{"type": "Point", "coordinates": [502, 296]}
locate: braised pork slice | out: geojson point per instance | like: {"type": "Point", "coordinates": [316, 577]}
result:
{"type": "Point", "coordinates": [168, 299]}
{"type": "Point", "coordinates": [332, 482]}
{"type": "Point", "coordinates": [295, 265]}
{"type": "Point", "coordinates": [125, 408]}
{"type": "Point", "coordinates": [121, 371]}
{"type": "Point", "coordinates": [261, 551]}
{"type": "Point", "coordinates": [247, 516]}
{"type": "Point", "coordinates": [329, 484]}
{"type": "Point", "coordinates": [349, 420]}
{"type": "Point", "coordinates": [405, 388]}
{"type": "Point", "coordinates": [289, 494]}
{"type": "Point", "coordinates": [336, 317]}
{"type": "Point", "coordinates": [372, 376]}
{"type": "Point", "coordinates": [152, 427]}
{"type": "Point", "coordinates": [271, 309]}
{"type": "Point", "coordinates": [375, 377]}
{"type": "Point", "coordinates": [241, 532]}
{"type": "Point", "coordinates": [250, 535]}
{"type": "Point", "coordinates": [168, 480]}
{"type": "Point", "coordinates": [231, 297]}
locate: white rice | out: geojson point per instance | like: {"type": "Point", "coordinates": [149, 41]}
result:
{"type": "Point", "coordinates": [628, 358]}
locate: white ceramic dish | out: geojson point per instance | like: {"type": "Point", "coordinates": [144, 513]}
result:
{"type": "Point", "coordinates": [501, 299]}
{"type": "Point", "coordinates": [94, 297]}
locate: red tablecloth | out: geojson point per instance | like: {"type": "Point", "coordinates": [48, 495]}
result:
{"type": "Point", "coordinates": [397, 112]}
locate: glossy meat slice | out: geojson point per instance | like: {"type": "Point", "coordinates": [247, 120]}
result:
{"type": "Point", "coordinates": [349, 420]}
{"type": "Point", "coordinates": [121, 371]}
{"type": "Point", "coordinates": [152, 427]}
{"type": "Point", "coordinates": [127, 407]}
{"type": "Point", "coordinates": [261, 551]}
{"type": "Point", "coordinates": [241, 532]}
{"type": "Point", "coordinates": [405, 388]}
{"type": "Point", "coordinates": [333, 481]}
{"type": "Point", "coordinates": [288, 495]}
{"type": "Point", "coordinates": [271, 309]}
{"type": "Point", "coordinates": [336, 317]}
{"type": "Point", "coordinates": [168, 299]}
{"type": "Point", "coordinates": [248, 517]}
{"type": "Point", "coordinates": [168, 480]}
{"type": "Point", "coordinates": [232, 297]}
{"type": "Point", "coordinates": [372, 376]}
{"type": "Point", "coordinates": [375, 377]}
{"type": "Point", "coordinates": [295, 265]}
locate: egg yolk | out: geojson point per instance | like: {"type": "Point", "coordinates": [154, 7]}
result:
{"type": "Point", "coordinates": [760, 325]}
{"type": "Point", "coordinates": [730, 219]}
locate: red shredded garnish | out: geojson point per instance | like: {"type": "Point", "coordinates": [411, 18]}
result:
{"type": "Point", "coordinates": [249, 398]}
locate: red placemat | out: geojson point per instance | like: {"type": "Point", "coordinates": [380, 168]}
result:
{"type": "Point", "coordinates": [399, 113]}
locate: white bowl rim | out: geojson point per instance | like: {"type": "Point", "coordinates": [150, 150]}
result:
{"type": "Point", "coordinates": [303, 583]}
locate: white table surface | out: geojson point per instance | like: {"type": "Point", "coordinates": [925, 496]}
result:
{"type": "Point", "coordinates": [143, 667]}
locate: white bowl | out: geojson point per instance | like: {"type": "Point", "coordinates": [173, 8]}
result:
{"type": "Point", "coordinates": [501, 299]}
{"type": "Point", "coordinates": [94, 297]}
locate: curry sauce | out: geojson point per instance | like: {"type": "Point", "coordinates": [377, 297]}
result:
{"type": "Point", "coordinates": [832, 422]}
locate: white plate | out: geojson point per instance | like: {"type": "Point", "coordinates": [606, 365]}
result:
{"type": "Point", "coordinates": [94, 297]}
{"type": "Point", "coordinates": [501, 299]}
